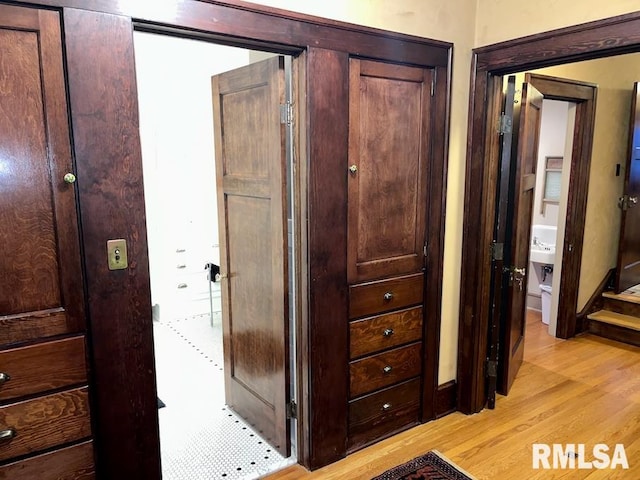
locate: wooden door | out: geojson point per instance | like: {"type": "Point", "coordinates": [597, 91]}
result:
{"type": "Point", "coordinates": [41, 286]}
{"type": "Point", "coordinates": [522, 197]}
{"type": "Point", "coordinates": [251, 183]}
{"type": "Point", "coordinates": [501, 237]}
{"type": "Point", "coordinates": [628, 269]}
{"type": "Point", "coordinates": [389, 141]}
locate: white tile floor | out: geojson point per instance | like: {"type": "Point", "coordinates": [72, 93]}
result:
{"type": "Point", "coordinates": [200, 438]}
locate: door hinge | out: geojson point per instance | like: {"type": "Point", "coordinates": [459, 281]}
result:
{"type": "Point", "coordinates": [292, 409]}
{"type": "Point", "coordinates": [497, 251]}
{"type": "Point", "coordinates": [505, 123]}
{"type": "Point", "coordinates": [625, 202]}
{"type": "Point", "coordinates": [492, 368]}
{"type": "Point", "coordinates": [286, 113]}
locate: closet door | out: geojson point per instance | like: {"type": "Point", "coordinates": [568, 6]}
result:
{"type": "Point", "coordinates": [389, 131]}
{"type": "Point", "coordinates": [41, 287]}
{"type": "Point", "coordinates": [45, 424]}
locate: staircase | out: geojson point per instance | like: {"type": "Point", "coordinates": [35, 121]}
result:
{"type": "Point", "coordinates": [619, 318]}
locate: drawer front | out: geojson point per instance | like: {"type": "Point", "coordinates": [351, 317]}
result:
{"type": "Point", "coordinates": [71, 463]}
{"type": "Point", "coordinates": [45, 422]}
{"type": "Point", "coordinates": [42, 367]}
{"type": "Point", "coordinates": [384, 412]}
{"type": "Point", "coordinates": [374, 334]}
{"type": "Point", "coordinates": [385, 295]}
{"type": "Point", "coordinates": [384, 369]}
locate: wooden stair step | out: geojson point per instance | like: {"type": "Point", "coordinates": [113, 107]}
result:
{"type": "Point", "coordinates": [613, 318]}
{"type": "Point", "coordinates": [625, 297]}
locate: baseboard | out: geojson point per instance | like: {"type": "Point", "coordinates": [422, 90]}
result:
{"type": "Point", "coordinates": [593, 304]}
{"type": "Point", "coordinates": [446, 398]}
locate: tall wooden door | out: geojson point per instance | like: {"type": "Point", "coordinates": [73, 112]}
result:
{"type": "Point", "coordinates": [251, 183]}
{"type": "Point", "coordinates": [522, 197]}
{"type": "Point", "coordinates": [628, 269]}
{"type": "Point", "coordinates": [41, 286]}
{"type": "Point", "coordinates": [501, 237]}
{"type": "Point", "coordinates": [389, 141]}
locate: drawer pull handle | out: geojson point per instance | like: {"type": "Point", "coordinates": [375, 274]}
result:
{"type": "Point", "coordinates": [181, 266]}
{"type": "Point", "coordinates": [387, 332]}
{"type": "Point", "coordinates": [386, 407]}
{"type": "Point", "coordinates": [6, 435]}
{"type": "Point", "coordinates": [4, 377]}
{"type": "Point", "coordinates": [387, 369]}
{"type": "Point", "coordinates": [180, 250]}
{"type": "Point", "coordinates": [388, 296]}
{"type": "Point", "coordinates": [182, 285]}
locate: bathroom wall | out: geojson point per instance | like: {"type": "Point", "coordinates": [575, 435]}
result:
{"type": "Point", "coordinates": [552, 140]}
{"type": "Point", "coordinates": [176, 130]}
{"type": "Point", "coordinates": [552, 143]}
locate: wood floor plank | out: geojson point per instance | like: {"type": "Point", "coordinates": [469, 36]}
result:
{"type": "Point", "coordinates": [582, 390]}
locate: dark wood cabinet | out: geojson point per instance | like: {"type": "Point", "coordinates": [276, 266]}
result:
{"type": "Point", "coordinates": [44, 395]}
{"type": "Point", "coordinates": [389, 145]}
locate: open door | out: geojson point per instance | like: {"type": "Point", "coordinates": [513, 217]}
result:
{"type": "Point", "coordinates": [523, 180]}
{"type": "Point", "coordinates": [628, 268]}
{"type": "Point", "coordinates": [251, 183]}
{"type": "Point", "coordinates": [500, 238]}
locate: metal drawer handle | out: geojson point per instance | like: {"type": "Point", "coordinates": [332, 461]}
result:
{"type": "Point", "coordinates": [388, 296]}
{"type": "Point", "coordinates": [4, 377]}
{"type": "Point", "coordinates": [6, 435]}
{"type": "Point", "coordinates": [180, 250]}
{"type": "Point", "coordinates": [387, 369]}
{"type": "Point", "coordinates": [182, 285]}
{"type": "Point", "coordinates": [386, 407]}
{"type": "Point", "coordinates": [387, 332]}
{"type": "Point", "coordinates": [181, 266]}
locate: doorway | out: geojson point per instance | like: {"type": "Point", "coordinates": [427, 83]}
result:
{"type": "Point", "coordinates": [497, 61]}
{"type": "Point", "coordinates": [200, 435]}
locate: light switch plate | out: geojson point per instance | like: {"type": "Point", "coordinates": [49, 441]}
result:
{"type": "Point", "coordinates": [117, 254]}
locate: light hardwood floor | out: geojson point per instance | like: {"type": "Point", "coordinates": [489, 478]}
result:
{"type": "Point", "coordinates": [583, 390]}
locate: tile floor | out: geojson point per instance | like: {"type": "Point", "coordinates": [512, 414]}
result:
{"type": "Point", "coordinates": [200, 438]}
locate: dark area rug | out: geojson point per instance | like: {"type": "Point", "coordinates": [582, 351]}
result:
{"type": "Point", "coordinates": [431, 466]}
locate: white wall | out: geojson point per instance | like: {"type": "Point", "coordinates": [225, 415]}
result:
{"type": "Point", "coordinates": [552, 139]}
{"type": "Point", "coordinates": [176, 131]}
{"type": "Point", "coordinates": [553, 127]}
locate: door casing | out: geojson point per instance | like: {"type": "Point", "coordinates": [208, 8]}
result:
{"type": "Point", "coordinates": [490, 63]}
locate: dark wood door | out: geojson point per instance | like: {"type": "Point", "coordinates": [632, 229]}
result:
{"type": "Point", "coordinates": [522, 197]}
{"type": "Point", "coordinates": [41, 286]}
{"type": "Point", "coordinates": [389, 141]}
{"type": "Point", "coordinates": [251, 183]}
{"type": "Point", "coordinates": [628, 268]}
{"type": "Point", "coordinates": [501, 237]}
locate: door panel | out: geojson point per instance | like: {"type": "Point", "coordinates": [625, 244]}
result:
{"type": "Point", "coordinates": [628, 268]}
{"type": "Point", "coordinates": [501, 237]}
{"type": "Point", "coordinates": [40, 272]}
{"type": "Point", "coordinates": [522, 195]}
{"type": "Point", "coordinates": [251, 181]}
{"type": "Point", "coordinates": [387, 191]}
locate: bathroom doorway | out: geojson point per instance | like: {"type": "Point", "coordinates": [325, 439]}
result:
{"type": "Point", "coordinates": [555, 145]}
{"type": "Point", "coordinates": [200, 435]}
